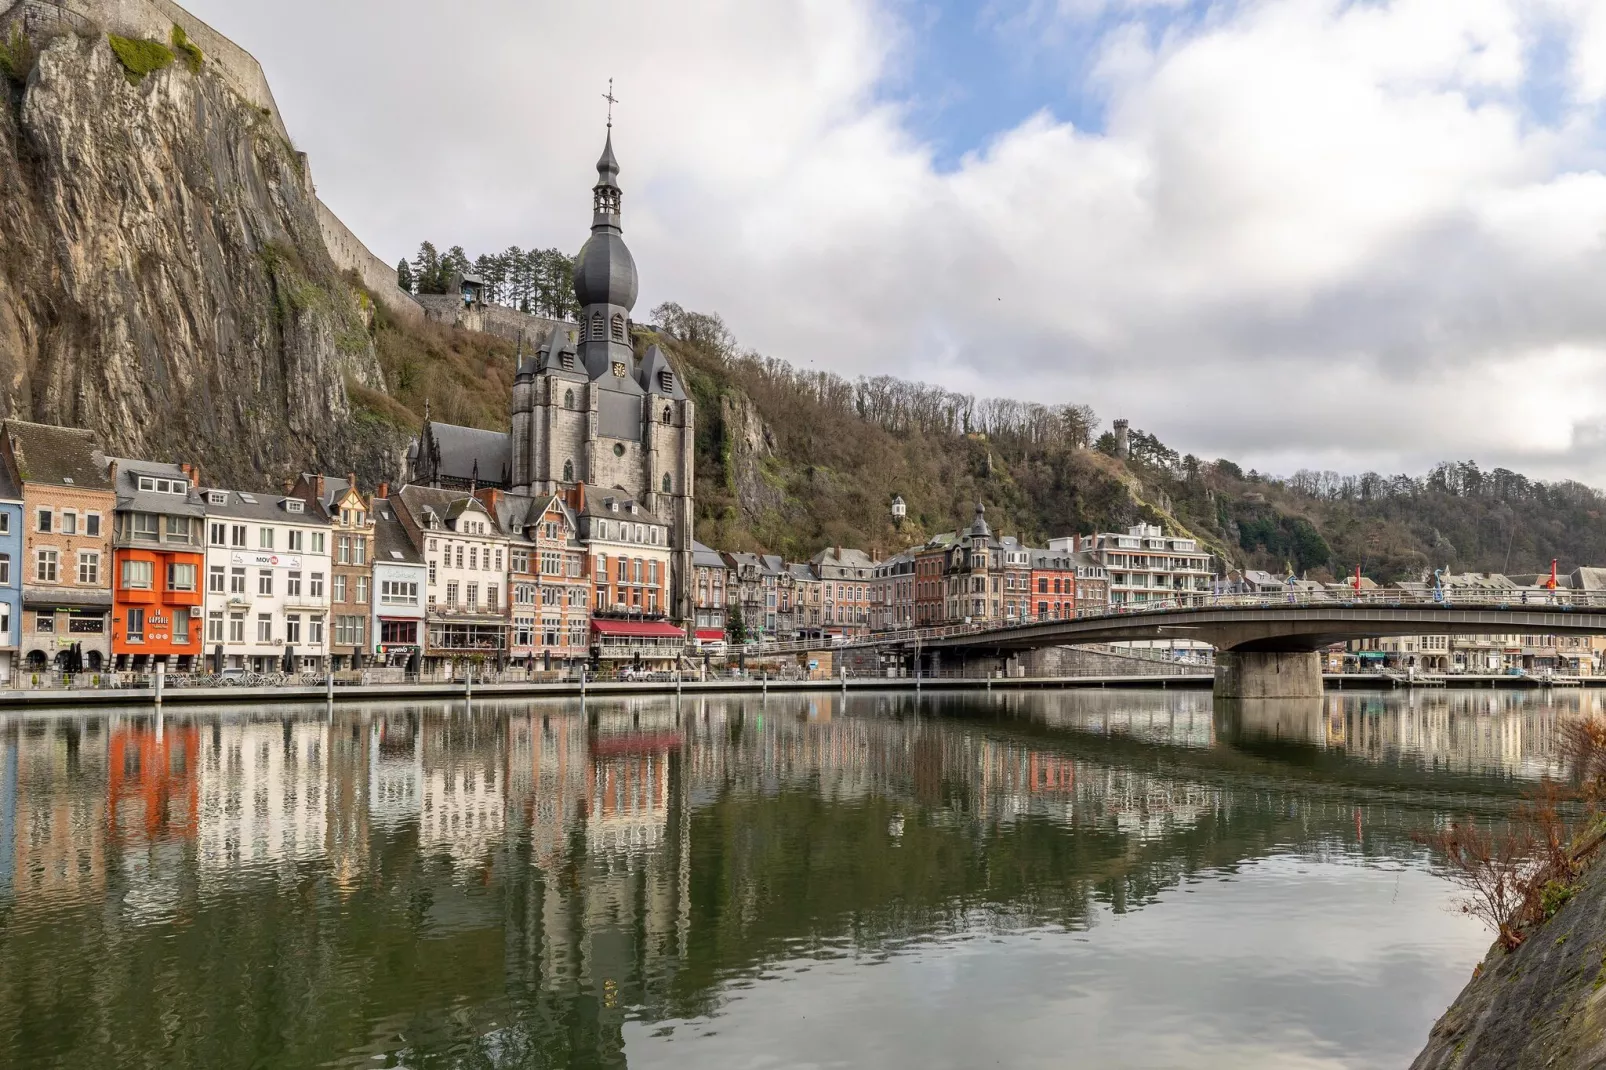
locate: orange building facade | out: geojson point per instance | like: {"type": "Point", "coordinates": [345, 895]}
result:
{"type": "Point", "coordinates": [158, 563]}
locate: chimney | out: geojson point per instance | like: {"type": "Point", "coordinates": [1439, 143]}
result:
{"type": "Point", "coordinates": [384, 490]}
{"type": "Point", "coordinates": [317, 486]}
{"type": "Point", "coordinates": [351, 480]}
{"type": "Point", "coordinates": [289, 485]}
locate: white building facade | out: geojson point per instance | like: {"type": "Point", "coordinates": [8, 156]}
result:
{"type": "Point", "coordinates": [267, 583]}
{"type": "Point", "coordinates": [1145, 565]}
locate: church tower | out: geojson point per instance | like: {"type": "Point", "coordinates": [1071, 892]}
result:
{"type": "Point", "coordinates": [587, 410]}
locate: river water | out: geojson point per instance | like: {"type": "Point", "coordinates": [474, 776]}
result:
{"type": "Point", "coordinates": [1097, 879]}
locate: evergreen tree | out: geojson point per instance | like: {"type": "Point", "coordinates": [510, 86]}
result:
{"type": "Point", "coordinates": [427, 270]}
{"type": "Point", "coordinates": [404, 275]}
{"type": "Point", "coordinates": [735, 626]}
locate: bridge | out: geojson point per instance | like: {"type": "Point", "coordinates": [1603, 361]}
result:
{"type": "Point", "coordinates": [1265, 647]}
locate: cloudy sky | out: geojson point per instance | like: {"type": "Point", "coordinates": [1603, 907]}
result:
{"type": "Point", "coordinates": [1301, 233]}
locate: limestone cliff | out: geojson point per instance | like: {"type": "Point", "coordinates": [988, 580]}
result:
{"type": "Point", "coordinates": [163, 280]}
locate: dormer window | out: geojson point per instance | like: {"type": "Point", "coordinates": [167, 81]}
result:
{"type": "Point", "coordinates": [666, 382]}
{"type": "Point", "coordinates": [295, 505]}
{"type": "Point", "coordinates": [217, 497]}
{"type": "Point", "coordinates": [566, 362]}
{"type": "Point", "coordinates": [618, 327]}
{"type": "Point", "coordinates": [599, 332]}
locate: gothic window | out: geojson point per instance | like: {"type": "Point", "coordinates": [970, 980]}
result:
{"type": "Point", "coordinates": [598, 331]}
{"type": "Point", "coordinates": [568, 399]}
{"type": "Point", "coordinates": [568, 471]}
{"type": "Point", "coordinates": [668, 416]}
{"type": "Point", "coordinates": [618, 327]}
{"type": "Point", "coordinates": [669, 484]}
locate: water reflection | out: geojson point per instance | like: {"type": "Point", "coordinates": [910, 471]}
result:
{"type": "Point", "coordinates": [515, 884]}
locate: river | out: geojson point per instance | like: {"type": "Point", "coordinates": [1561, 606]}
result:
{"type": "Point", "coordinates": [1088, 878]}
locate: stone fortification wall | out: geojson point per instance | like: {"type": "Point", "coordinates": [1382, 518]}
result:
{"type": "Point", "coordinates": [504, 322]}
{"type": "Point", "coordinates": [155, 19]}
{"type": "Point", "coordinates": [350, 254]}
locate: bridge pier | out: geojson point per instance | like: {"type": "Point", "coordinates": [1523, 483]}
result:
{"type": "Point", "coordinates": [1259, 674]}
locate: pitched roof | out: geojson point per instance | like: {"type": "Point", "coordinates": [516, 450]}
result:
{"type": "Point", "coordinates": [131, 499]}
{"type": "Point", "coordinates": [470, 452]}
{"type": "Point", "coordinates": [705, 556]}
{"type": "Point", "coordinates": [1589, 579]}
{"type": "Point", "coordinates": [253, 505]}
{"type": "Point", "coordinates": [443, 502]}
{"type": "Point", "coordinates": [60, 456]}
{"type": "Point", "coordinates": [391, 544]}
{"type": "Point", "coordinates": [653, 367]}
{"type": "Point", "coordinates": [597, 504]}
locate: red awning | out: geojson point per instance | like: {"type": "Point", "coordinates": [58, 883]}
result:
{"type": "Point", "coordinates": [710, 634]}
{"type": "Point", "coordinates": [647, 629]}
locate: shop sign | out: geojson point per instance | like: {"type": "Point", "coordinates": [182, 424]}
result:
{"type": "Point", "coordinates": [265, 559]}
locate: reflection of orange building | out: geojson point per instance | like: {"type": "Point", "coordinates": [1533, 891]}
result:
{"type": "Point", "coordinates": [151, 788]}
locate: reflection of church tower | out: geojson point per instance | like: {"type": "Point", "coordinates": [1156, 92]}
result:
{"type": "Point", "coordinates": [587, 410]}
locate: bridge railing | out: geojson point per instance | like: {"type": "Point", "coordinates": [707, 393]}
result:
{"type": "Point", "coordinates": [1456, 598]}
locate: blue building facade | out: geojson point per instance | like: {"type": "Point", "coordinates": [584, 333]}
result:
{"type": "Point", "coordinates": [12, 568]}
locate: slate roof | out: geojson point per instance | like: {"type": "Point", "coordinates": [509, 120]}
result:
{"type": "Point", "coordinates": [517, 512]}
{"type": "Point", "coordinates": [653, 365]}
{"type": "Point", "coordinates": [847, 562]}
{"type": "Point", "coordinates": [131, 499]}
{"type": "Point", "coordinates": [445, 503]}
{"type": "Point", "coordinates": [255, 505]}
{"type": "Point", "coordinates": [334, 488]}
{"type": "Point", "coordinates": [59, 456]}
{"type": "Point", "coordinates": [596, 504]}
{"type": "Point", "coordinates": [390, 538]}
{"type": "Point", "coordinates": [9, 491]}
{"type": "Point", "coordinates": [705, 556]}
{"type": "Point", "coordinates": [470, 452]}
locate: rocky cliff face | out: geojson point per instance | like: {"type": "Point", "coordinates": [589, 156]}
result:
{"type": "Point", "coordinates": [163, 280]}
{"type": "Point", "coordinates": [1541, 1006]}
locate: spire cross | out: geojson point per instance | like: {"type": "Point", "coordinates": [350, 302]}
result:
{"type": "Point", "coordinates": [612, 100]}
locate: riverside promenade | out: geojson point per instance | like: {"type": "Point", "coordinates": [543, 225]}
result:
{"type": "Point", "coordinates": [455, 690]}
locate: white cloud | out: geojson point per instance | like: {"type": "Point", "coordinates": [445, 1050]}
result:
{"type": "Point", "coordinates": [1308, 231]}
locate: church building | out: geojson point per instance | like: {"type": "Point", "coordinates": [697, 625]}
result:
{"type": "Point", "coordinates": [585, 409]}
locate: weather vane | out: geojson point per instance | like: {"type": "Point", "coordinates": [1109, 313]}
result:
{"type": "Point", "coordinates": [612, 100]}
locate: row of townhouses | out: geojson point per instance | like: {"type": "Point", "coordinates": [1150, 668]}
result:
{"type": "Point", "coordinates": [121, 563]}
{"type": "Point", "coordinates": [968, 576]}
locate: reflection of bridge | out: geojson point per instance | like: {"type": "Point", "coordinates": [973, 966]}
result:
{"type": "Point", "coordinates": [1266, 649]}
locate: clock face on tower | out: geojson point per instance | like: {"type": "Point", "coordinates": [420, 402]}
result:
{"type": "Point", "coordinates": [619, 368]}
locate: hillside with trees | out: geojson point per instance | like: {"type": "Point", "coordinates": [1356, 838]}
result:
{"type": "Point", "coordinates": [790, 461]}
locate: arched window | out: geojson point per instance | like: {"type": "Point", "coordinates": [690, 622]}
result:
{"type": "Point", "coordinates": [598, 331]}
{"type": "Point", "coordinates": [568, 399]}
{"type": "Point", "coordinates": [568, 471]}
{"type": "Point", "coordinates": [669, 417]}
{"type": "Point", "coordinates": [669, 484]}
{"type": "Point", "coordinates": [618, 327]}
